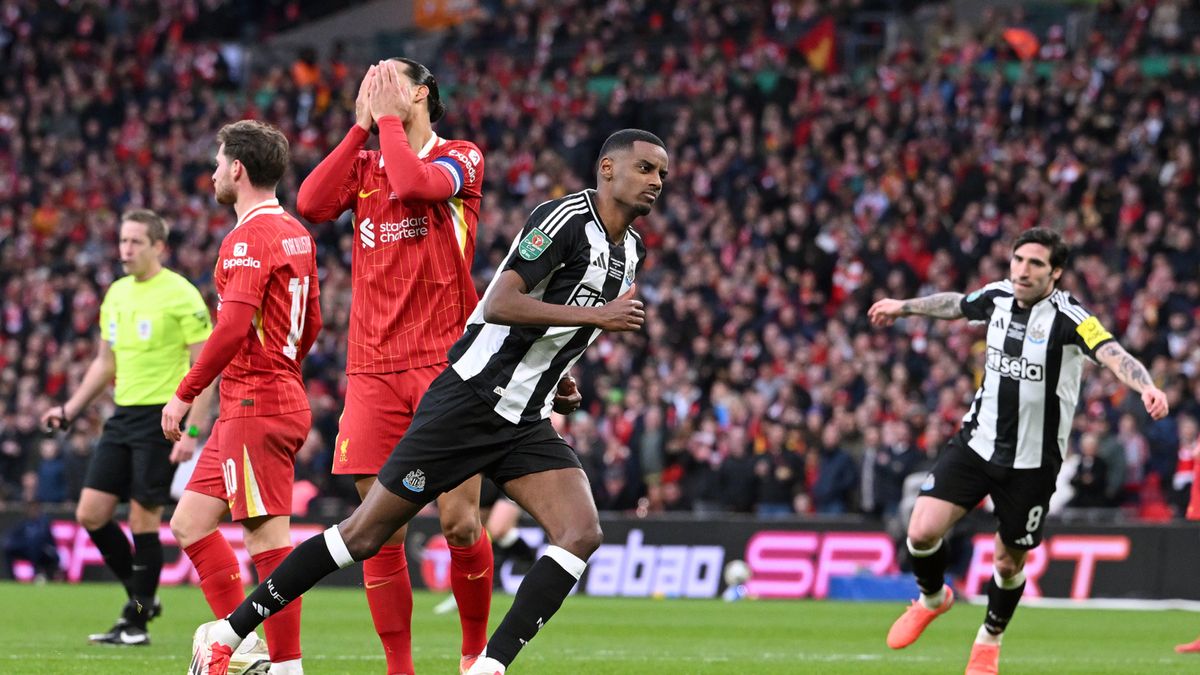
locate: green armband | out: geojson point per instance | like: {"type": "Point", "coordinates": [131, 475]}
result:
{"type": "Point", "coordinates": [193, 431]}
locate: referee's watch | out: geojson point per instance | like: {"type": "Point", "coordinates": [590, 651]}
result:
{"type": "Point", "coordinates": [193, 431]}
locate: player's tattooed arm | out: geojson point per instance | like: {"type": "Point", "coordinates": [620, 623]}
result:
{"type": "Point", "coordinates": [1127, 369]}
{"type": "Point", "coordinates": [1131, 371]}
{"type": "Point", "coordinates": [938, 305]}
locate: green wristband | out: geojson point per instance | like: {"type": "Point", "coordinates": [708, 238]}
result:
{"type": "Point", "coordinates": [193, 431]}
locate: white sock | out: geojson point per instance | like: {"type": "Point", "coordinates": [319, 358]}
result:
{"type": "Point", "coordinates": [292, 667]}
{"type": "Point", "coordinates": [486, 665]}
{"type": "Point", "coordinates": [935, 600]}
{"type": "Point", "coordinates": [224, 633]}
{"type": "Point", "coordinates": [983, 637]}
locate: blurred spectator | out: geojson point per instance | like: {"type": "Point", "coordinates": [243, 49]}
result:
{"type": "Point", "coordinates": [837, 476]}
{"type": "Point", "coordinates": [736, 474]}
{"type": "Point", "coordinates": [781, 475]}
{"type": "Point", "coordinates": [31, 540]}
{"type": "Point", "coordinates": [888, 459]}
{"type": "Point", "coordinates": [1091, 475]}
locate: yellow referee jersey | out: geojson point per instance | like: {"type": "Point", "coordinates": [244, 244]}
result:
{"type": "Point", "coordinates": [150, 325]}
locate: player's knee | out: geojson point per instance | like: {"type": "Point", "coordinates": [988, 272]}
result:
{"type": "Point", "coordinates": [923, 538]}
{"type": "Point", "coordinates": [1007, 568]}
{"type": "Point", "coordinates": [582, 540]}
{"type": "Point", "coordinates": [90, 519]}
{"type": "Point", "coordinates": [462, 531]}
{"type": "Point", "coordinates": [185, 528]}
{"type": "Point", "coordinates": [361, 543]}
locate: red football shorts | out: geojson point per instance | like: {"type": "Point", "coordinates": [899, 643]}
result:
{"type": "Point", "coordinates": [250, 463]}
{"type": "Point", "coordinates": [379, 408]}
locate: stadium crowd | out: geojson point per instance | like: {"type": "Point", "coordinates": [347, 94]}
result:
{"type": "Point", "coordinates": [796, 198]}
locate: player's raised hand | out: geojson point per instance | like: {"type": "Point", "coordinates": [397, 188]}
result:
{"type": "Point", "coordinates": [623, 314]}
{"type": "Point", "coordinates": [390, 92]}
{"type": "Point", "coordinates": [1155, 401]}
{"type": "Point", "coordinates": [172, 415]}
{"type": "Point", "coordinates": [885, 312]}
{"type": "Point", "coordinates": [567, 397]}
{"type": "Point", "coordinates": [362, 107]}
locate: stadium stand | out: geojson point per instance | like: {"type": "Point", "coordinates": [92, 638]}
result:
{"type": "Point", "coordinates": [797, 197]}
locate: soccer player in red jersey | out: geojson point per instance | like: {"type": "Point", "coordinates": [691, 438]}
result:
{"type": "Point", "coordinates": [416, 203]}
{"type": "Point", "coordinates": [268, 319]}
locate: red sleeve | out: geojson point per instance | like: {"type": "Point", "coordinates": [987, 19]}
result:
{"type": "Point", "coordinates": [408, 176]}
{"type": "Point", "coordinates": [313, 321]}
{"type": "Point", "coordinates": [246, 263]}
{"type": "Point", "coordinates": [219, 350]}
{"type": "Point", "coordinates": [330, 188]}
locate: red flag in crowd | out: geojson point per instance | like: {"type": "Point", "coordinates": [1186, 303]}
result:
{"type": "Point", "coordinates": [817, 45]}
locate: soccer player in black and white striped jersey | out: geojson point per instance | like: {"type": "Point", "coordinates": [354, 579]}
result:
{"type": "Point", "coordinates": [568, 276]}
{"type": "Point", "coordinates": [1014, 437]}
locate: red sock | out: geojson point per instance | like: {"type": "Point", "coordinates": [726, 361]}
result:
{"type": "Point", "coordinates": [220, 574]}
{"type": "Point", "coordinates": [390, 596]}
{"type": "Point", "coordinates": [282, 628]}
{"type": "Point", "coordinates": [471, 579]}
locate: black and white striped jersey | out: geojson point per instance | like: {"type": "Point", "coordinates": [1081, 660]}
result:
{"type": "Point", "coordinates": [1023, 410]}
{"type": "Point", "coordinates": [565, 257]}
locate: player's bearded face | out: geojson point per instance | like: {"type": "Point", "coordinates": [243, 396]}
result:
{"type": "Point", "coordinates": [223, 186]}
{"type": "Point", "coordinates": [1031, 274]}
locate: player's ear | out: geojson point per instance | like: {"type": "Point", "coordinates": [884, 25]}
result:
{"type": "Point", "coordinates": [606, 168]}
{"type": "Point", "coordinates": [236, 169]}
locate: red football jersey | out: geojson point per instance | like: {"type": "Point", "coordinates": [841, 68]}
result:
{"type": "Point", "coordinates": [412, 286]}
{"type": "Point", "coordinates": [269, 261]}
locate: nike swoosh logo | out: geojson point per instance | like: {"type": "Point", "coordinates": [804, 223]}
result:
{"type": "Point", "coordinates": [370, 586]}
{"type": "Point", "coordinates": [364, 195]}
{"type": "Point", "coordinates": [473, 577]}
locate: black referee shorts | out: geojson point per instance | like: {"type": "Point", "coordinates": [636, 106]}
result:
{"type": "Point", "coordinates": [133, 459]}
{"type": "Point", "coordinates": [1021, 496]}
{"type": "Point", "coordinates": [455, 434]}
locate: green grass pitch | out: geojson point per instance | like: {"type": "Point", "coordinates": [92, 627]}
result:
{"type": "Point", "coordinates": [43, 631]}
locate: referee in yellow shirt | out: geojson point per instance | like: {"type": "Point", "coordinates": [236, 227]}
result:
{"type": "Point", "coordinates": [153, 324]}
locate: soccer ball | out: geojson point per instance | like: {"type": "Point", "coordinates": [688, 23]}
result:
{"type": "Point", "coordinates": [737, 572]}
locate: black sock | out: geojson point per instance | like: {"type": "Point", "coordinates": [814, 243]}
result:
{"type": "Point", "coordinates": [930, 570]}
{"type": "Point", "coordinates": [117, 552]}
{"type": "Point", "coordinates": [1002, 604]}
{"type": "Point", "coordinates": [541, 594]}
{"type": "Point", "coordinates": [299, 571]}
{"type": "Point", "coordinates": [147, 566]}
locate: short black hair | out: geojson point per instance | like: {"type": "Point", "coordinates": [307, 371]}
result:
{"type": "Point", "coordinates": [1048, 238]}
{"type": "Point", "coordinates": [418, 73]}
{"type": "Point", "coordinates": [625, 138]}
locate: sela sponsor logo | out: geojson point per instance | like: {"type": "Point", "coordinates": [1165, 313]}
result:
{"type": "Point", "coordinates": [415, 480]}
{"type": "Point", "coordinates": [230, 263]}
{"type": "Point", "coordinates": [1016, 367]}
{"type": "Point", "coordinates": [297, 246]}
{"type": "Point", "coordinates": [386, 233]}
{"type": "Point", "coordinates": [466, 162]}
